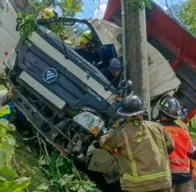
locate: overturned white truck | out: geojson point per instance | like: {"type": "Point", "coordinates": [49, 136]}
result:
{"type": "Point", "coordinates": [66, 98]}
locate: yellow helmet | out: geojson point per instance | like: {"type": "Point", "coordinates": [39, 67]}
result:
{"type": "Point", "coordinates": [86, 37]}
{"type": "Point", "coordinates": [48, 13]}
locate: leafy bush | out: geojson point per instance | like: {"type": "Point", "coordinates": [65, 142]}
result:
{"type": "Point", "coordinates": [62, 175]}
{"type": "Point", "coordinates": [188, 15]}
{"type": "Point", "coordinates": [9, 180]}
{"type": "Point", "coordinates": [26, 22]}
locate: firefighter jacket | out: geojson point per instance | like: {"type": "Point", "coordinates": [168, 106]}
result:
{"type": "Point", "coordinates": [179, 158]}
{"type": "Point", "coordinates": [143, 155]}
{"type": "Point", "coordinates": [190, 124]}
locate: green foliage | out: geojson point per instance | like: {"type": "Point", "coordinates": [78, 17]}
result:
{"type": "Point", "coordinates": [58, 28]}
{"type": "Point", "coordinates": [17, 185]}
{"type": "Point", "coordinates": [9, 180]}
{"type": "Point", "coordinates": [70, 7]}
{"type": "Point", "coordinates": [63, 176]}
{"type": "Point", "coordinates": [188, 15]}
{"type": "Point", "coordinates": [7, 143]}
{"type": "Point", "coordinates": [134, 5]}
{"type": "Point", "coordinates": [26, 25]}
{"type": "Point", "coordinates": [27, 21]}
{"type": "Point", "coordinates": [25, 161]}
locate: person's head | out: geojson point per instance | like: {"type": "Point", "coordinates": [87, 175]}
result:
{"type": "Point", "coordinates": [115, 67]}
{"type": "Point", "coordinates": [170, 109]}
{"type": "Point", "coordinates": [85, 40]}
{"type": "Point", "coordinates": [131, 107]}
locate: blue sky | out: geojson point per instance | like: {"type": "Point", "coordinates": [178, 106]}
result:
{"type": "Point", "coordinates": [92, 8]}
{"type": "Point", "coordinates": [162, 3]}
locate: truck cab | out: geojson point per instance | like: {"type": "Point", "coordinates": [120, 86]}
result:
{"type": "Point", "coordinates": [65, 97]}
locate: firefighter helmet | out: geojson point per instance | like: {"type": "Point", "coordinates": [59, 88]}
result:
{"type": "Point", "coordinates": [131, 106]}
{"type": "Point", "coordinates": [171, 107]}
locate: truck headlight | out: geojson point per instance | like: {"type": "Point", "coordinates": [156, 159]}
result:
{"type": "Point", "coordinates": [95, 131]}
{"type": "Point", "coordinates": [90, 122]}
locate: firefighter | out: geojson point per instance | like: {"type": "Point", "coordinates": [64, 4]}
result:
{"type": "Point", "coordinates": [114, 72]}
{"type": "Point", "coordinates": [170, 115]}
{"type": "Point", "coordinates": [87, 48]}
{"type": "Point", "coordinates": [143, 148]}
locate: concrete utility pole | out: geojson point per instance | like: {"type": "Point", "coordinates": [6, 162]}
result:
{"type": "Point", "coordinates": [137, 57]}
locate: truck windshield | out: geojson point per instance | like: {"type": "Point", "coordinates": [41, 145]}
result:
{"type": "Point", "coordinates": [67, 40]}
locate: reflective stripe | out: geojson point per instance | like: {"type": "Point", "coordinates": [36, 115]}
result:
{"type": "Point", "coordinates": [135, 177]}
{"type": "Point", "coordinates": [181, 123]}
{"type": "Point", "coordinates": [5, 110]}
{"type": "Point", "coordinates": [180, 170]}
{"type": "Point", "coordinates": [130, 155]}
{"type": "Point", "coordinates": [146, 177]}
{"type": "Point", "coordinates": [192, 123]}
{"type": "Point", "coordinates": [178, 161]}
